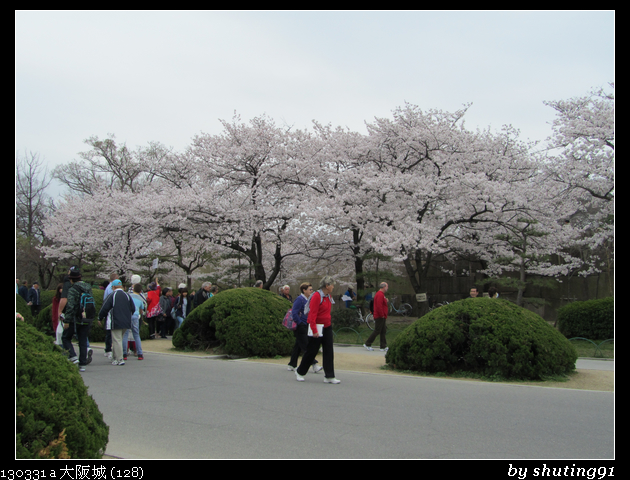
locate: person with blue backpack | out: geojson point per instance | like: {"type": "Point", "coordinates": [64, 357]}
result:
{"type": "Point", "coordinates": [80, 311]}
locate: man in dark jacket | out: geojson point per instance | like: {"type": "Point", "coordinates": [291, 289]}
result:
{"type": "Point", "coordinates": [34, 299]}
{"type": "Point", "coordinates": [118, 308]}
{"type": "Point", "coordinates": [203, 294]}
{"type": "Point", "coordinates": [73, 321]}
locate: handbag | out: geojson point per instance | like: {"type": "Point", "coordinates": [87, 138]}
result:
{"type": "Point", "coordinates": [59, 333]}
{"type": "Point", "coordinates": [155, 311]}
{"type": "Point", "coordinates": [288, 320]}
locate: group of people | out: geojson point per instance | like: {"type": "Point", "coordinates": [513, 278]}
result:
{"type": "Point", "coordinates": [122, 313]}
{"type": "Point", "coordinates": [311, 313]}
{"type": "Point", "coordinates": [32, 296]}
{"type": "Point", "coordinates": [492, 292]}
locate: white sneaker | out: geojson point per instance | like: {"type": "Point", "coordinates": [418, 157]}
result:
{"type": "Point", "coordinates": [331, 380]}
{"type": "Point", "coordinates": [317, 368]}
{"type": "Point", "coordinates": [108, 355]}
{"type": "Point", "coordinates": [298, 377]}
{"type": "Point", "coordinates": [74, 359]}
{"type": "Point", "coordinates": [368, 348]}
{"type": "Point", "coordinates": [290, 368]}
{"type": "Point", "coordinates": [384, 349]}
{"type": "Point", "coordinates": [118, 362]}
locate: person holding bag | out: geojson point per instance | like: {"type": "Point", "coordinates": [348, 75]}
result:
{"type": "Point", "coordinates": [319, 307]}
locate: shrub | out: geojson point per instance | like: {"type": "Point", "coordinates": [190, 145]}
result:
{"type": "Point", "coordinates": [344, 317]}
{"type": "Point", "coordinates": [55, 416]}
{"type": "Point", "coordinates": [592, 319]}
{"type": "Point", "coordinates": [492, 337]}
{"type": "Point", "coordinates": [197, 331]}
{"type": "Point", "coordinates": [23, 309]}
{"type": "Point", "coordinates": [243, 321]}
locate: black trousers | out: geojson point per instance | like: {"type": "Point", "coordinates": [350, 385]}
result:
{"type": "Point", "coordinates": [301, 344]}
{"type": "Point", "coordinates": [326, 342]}
{"type": "Point", "coordinates": [82, 331]}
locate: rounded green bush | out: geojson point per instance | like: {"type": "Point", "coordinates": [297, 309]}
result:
{"type": "Point", "coordinates": [54, 415]}
{"type": "Point", "coordinates": [243, 321]}
{"type": "Point", "coordinates": [592, 319]}
{"type": "Point", "coordinates": [491, 337]}
{"type": "Point", "coordinates": [23, 309]}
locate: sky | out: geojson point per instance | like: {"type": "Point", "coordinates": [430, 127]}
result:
{"type": "Point", "coordinates": [167, 76]}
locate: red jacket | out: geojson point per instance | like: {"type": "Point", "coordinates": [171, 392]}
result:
{"type": "Point", "coordinates": [380, 305]}
{"type": "Point", "coordinates": [319, 312]}
{"type": "Point", "coordinates": [153, 298]}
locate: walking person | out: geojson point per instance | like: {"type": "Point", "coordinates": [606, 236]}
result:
{"type": "Point", "coordinates": [74, 322]}
{"type": "Point", "coordinates": [319, 307]}
{"type": "Point", "coordinates": [108, 333]}
{"type": "Point", "coordinates": [118, 309]}
{"type": "Point", "coordinates": [380, 319]}
{"type": "Point", "coordinates": [141, 308]}
{"type": "Point", "coordinates": [301, 329]}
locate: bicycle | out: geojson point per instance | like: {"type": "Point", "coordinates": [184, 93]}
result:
{"type": "Point", "coordinates": [437, 305]}
{"type": "Point", "coordinates": [404, 309]}
{"type": "Point", "coordinates": [368, 320]}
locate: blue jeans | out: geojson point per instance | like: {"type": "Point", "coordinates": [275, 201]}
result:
{"type": "Point", "coordinates": [135, 330]}
{"type": "Point", "coordinates": [180, 320]}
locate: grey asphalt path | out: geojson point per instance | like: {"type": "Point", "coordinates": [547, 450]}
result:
{"type": "Point", "coordinates": [178, 407]}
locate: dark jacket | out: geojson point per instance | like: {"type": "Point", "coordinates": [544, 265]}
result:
{"type": "Point", "coordinates": [72, 312]}
{"type": "Point", "coordinates": [179, 307]}
{"type": "Point", "coordinates": [120, 306]}
{"type": "Point", "coordinates": [34, 296]}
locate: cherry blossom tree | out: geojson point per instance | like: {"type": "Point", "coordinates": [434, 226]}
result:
{"type": "Point", "coordinates": [581, 160]}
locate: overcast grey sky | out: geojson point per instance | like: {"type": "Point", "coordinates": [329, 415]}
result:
{"type": "Point", "coordinates": [169, 75]}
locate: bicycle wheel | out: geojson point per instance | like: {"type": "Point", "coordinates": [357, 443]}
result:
{"type": "Point", "coordinates": [405, 309]}
{"type": "Point", "coordinates": [369, 320]}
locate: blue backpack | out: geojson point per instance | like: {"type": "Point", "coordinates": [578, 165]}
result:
{"type": "Point", "coordinates": [87, 305]}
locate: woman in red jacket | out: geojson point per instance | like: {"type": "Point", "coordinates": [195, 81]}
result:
{"type": "Point", "coordinates": [153, 303]}
{"type": "Point", "coordinates": [319, 306]}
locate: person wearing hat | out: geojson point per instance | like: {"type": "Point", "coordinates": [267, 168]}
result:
{"type": "Point", "coordinates": [117, 309]}
{"type": "Point", "coordinates": [73, 322]}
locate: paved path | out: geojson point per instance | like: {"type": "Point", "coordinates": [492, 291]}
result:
{"type": "Point", "coordinates": [177, 406]}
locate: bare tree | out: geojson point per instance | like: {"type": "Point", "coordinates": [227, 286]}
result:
{"type": "Point", "coordinates": [32, 206]}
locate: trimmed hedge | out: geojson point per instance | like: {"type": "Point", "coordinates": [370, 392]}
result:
{"type": "Point", "coordinates": [243, 321]}
{"type": "Point", "coordinates": [54, 415]}
{"type": "Point", "coordinates": [492, 337]}
{"type": "Point", "coordinates": [592, 319]}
